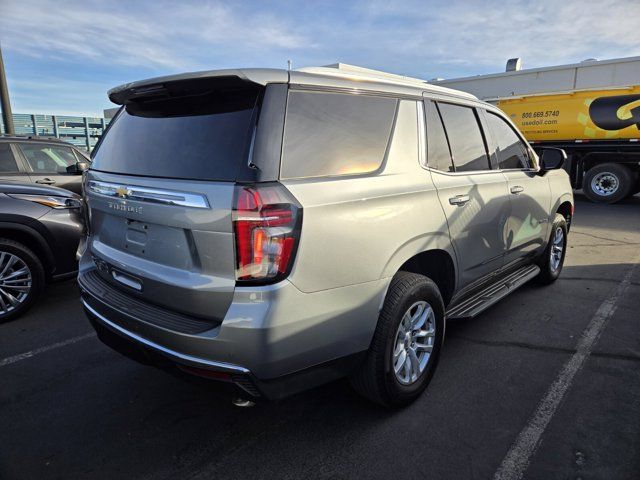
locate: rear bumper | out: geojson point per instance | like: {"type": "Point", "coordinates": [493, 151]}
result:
{"type": "Point", "coordinates": [273, 341]}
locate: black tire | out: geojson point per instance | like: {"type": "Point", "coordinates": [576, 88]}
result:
{"type": "Point", "coordinates": [548, 274]}
{"type": "Point", "coordinates": [36, 269]}
{"type": "Point", "coordinates": [619, 173]}
{"type": "Point", "coordinates": [636, 187]}
{"type": "Point", "coordinates": [375, 379]}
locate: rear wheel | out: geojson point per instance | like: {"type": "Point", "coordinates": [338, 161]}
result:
{"type": "Point", "coordinates": [608, 183]}
{"type": "Point", "coordinates": [406, 345]}
{"type": "Point", "coordinates": [21, 279]}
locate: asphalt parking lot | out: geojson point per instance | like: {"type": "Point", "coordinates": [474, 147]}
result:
{"type": "Point", "coordinates": [72, 408]}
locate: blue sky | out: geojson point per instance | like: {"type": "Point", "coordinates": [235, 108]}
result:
{"type": "Point", "coordinates": [62, 56]}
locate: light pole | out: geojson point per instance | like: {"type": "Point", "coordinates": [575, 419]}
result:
{"type": "Point", "coordinates": [7, 116]}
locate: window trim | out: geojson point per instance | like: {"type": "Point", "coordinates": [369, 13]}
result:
{"type": "Point", "coordinates": [341, 91]}
{"type": "Point", "coordinates": [482, 134]}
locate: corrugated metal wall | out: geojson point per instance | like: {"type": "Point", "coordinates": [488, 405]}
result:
{"type": "Point", "coordinates": [83, 132]}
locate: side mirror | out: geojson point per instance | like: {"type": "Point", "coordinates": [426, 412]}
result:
{"type": "Point", "coordinates": [77, 168]}
{"type": "Point", "coordinates": [551, 158]}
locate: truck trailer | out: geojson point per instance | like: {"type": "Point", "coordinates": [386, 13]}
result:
{"type": "Point", "coordinates": [590, 109]}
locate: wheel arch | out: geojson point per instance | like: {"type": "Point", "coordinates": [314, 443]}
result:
{"type": "Point", "coordinates": [32, 239]}
{"type": "Point", "coordinates": [439, 266]}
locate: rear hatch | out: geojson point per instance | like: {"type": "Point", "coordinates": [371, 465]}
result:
{"type": "Point", "coordinates": [160, 194]}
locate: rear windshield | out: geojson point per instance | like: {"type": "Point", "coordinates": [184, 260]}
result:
{"type": "Point", "coordinates": [203, 136]}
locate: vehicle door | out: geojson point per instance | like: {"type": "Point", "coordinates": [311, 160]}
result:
{"type": "Point", "coordinates": [50, 164]}
{"type": "Point", "coordinates": [473, 196]}
{"type": "Point", "coordinates": [11, 168]}
{"type": "Point", "coordinates": [529, 193]}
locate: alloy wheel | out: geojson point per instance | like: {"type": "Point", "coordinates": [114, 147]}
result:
{"type": "Point", "coordinates": [15, 282]}
{"type": "Point", "coordinates": [557, 247]}
{"type": "Point", "coordinates": [414, 343]}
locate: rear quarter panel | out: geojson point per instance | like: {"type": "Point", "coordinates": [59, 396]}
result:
{"type": "Point", "coordinates": [362, 228]}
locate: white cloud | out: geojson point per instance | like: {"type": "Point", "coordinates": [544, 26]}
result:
{"type": "Point", "coordinates": [422, 38]}
{"type": "Point", "coordinates": [164, 35]}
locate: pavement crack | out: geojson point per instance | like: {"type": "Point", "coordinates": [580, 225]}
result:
{"type": "Point", "coordinates": [602, 238]}
{"type": "Point", "coordinates": [597, 279]}
{"type": "Point", "coordinates": [502, 343]}
{"type": "Point", "coordinates": [544, 348]}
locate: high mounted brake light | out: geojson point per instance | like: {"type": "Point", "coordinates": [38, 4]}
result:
{"type": "Point", "coordinates": [267, 221]}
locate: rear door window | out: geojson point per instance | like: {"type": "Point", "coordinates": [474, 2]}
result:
{"type": "Point", "coordinates": [203, 136]}
{"type": "Point", "coordinates": [438, 154]}
{"type": "Point", "coordinates": [335, 134]}
{"type": "Point", "coordinates": [7, 160]}
{"type": "Point", "coordinates": [43, 158]}
{"type": "Point", "coordinates": [465, 138]}
{"type": "Point", "coordinates": [512, 153]}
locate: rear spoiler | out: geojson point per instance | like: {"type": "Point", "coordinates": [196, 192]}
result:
{"type": "Point", "coordinates": [175, 85]}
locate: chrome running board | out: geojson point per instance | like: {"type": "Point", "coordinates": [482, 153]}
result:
{"type": "Point", "coordinates": [495, 292]}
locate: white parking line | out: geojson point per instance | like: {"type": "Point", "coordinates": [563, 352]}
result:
{"type": "Point", "coordinates": [23, 356]}
{"type": "Point", "coordinates": [517, 459]}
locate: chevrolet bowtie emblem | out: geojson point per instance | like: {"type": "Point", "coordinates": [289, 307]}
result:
{"type": "Point", "coordinates": [122, 192]}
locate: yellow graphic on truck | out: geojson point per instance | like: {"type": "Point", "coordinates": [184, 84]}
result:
{"type": "Point", "coordinates": [581, 115]}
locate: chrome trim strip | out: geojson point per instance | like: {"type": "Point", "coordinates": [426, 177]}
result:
{"type": "Point", "coordinates": [151, 195]}
{"type": "Point", "coordinates": [195, 361]}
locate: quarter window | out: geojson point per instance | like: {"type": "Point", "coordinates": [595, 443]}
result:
{"type": "Point", "coordinates": [465, 138]}
{"type": "Point", "coordinates": [335, 134]}
{"type": "Point", "coordinates": [511, 151]}
{"type": "Point", "coordinates": [7, 160]}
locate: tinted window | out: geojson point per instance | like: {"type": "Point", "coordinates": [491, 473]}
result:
{"type": "Point", "coordinates": [47, 158]}
{"type": "Point", "coordinates": [335, 134]}
{"type": "Point", "coordinates": [465, 138]}
{"type": "Point", "coordinates": [201, 136]}
{"type": "Point", "coordinates": [7, 161]}
{"type": "Point", "coordinates": [438, 155]}
{"type": "Point", "coordinates": [511, 151]}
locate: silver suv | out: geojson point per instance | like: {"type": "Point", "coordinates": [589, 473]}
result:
{"type": "Point", "coordinates": [279, 229]}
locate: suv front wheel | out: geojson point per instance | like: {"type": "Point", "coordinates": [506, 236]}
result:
{"type": "Point", "coordinates": [552, 259]}
{"type": "Point", "coordinates": [406, 345]}
{"type": "Point", "coordinates": [21, 279]}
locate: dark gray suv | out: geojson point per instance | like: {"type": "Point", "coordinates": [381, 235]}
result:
{"type": "Point", "coordinates": [40, 228]}
{"type": "Point", "coordinates": [41, 160]}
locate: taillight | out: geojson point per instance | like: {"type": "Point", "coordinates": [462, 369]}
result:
{"type": "Point", "coordinates": [267, 221]}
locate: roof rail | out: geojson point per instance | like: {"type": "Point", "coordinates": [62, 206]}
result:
{"type": "Point", "coordinates": [354, 70]}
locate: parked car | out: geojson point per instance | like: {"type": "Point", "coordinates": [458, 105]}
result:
{"type": "Point", "coordinates": [42, 160]}
{"type": "Point", "coordinates": [40, 228]}
{"type": "Point", "coordinates": [278, 229]}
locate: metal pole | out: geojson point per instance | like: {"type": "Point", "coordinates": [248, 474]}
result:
{"type": "Point", "coordinates": [34, 122]}
{"type": "Point", "coordinates": [54, 119]}
{"type": "Point", "coordinates": [86, 132]}
{"type": "Point", "coordinates": [7, 116]}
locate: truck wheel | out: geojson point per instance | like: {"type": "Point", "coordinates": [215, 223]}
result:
{"type": "Point", "coordinates": [406, 345]}
{"type": "Point", "coordinates": [608, 183]}
{"type": "Point", "coordinates": [21, 279]}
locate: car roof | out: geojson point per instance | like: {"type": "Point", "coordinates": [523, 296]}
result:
{"type": "Point", "coordinates": [338, 75]}
{"type": "Point", "coordinates": [32, 138]}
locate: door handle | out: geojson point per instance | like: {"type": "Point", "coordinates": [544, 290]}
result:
{"type": "Point", "coordinates": [46, 181]}
{"type": "Point", "coordinates": [459, 200]}
{"type": "Point", "coordinates": [517, 189]}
